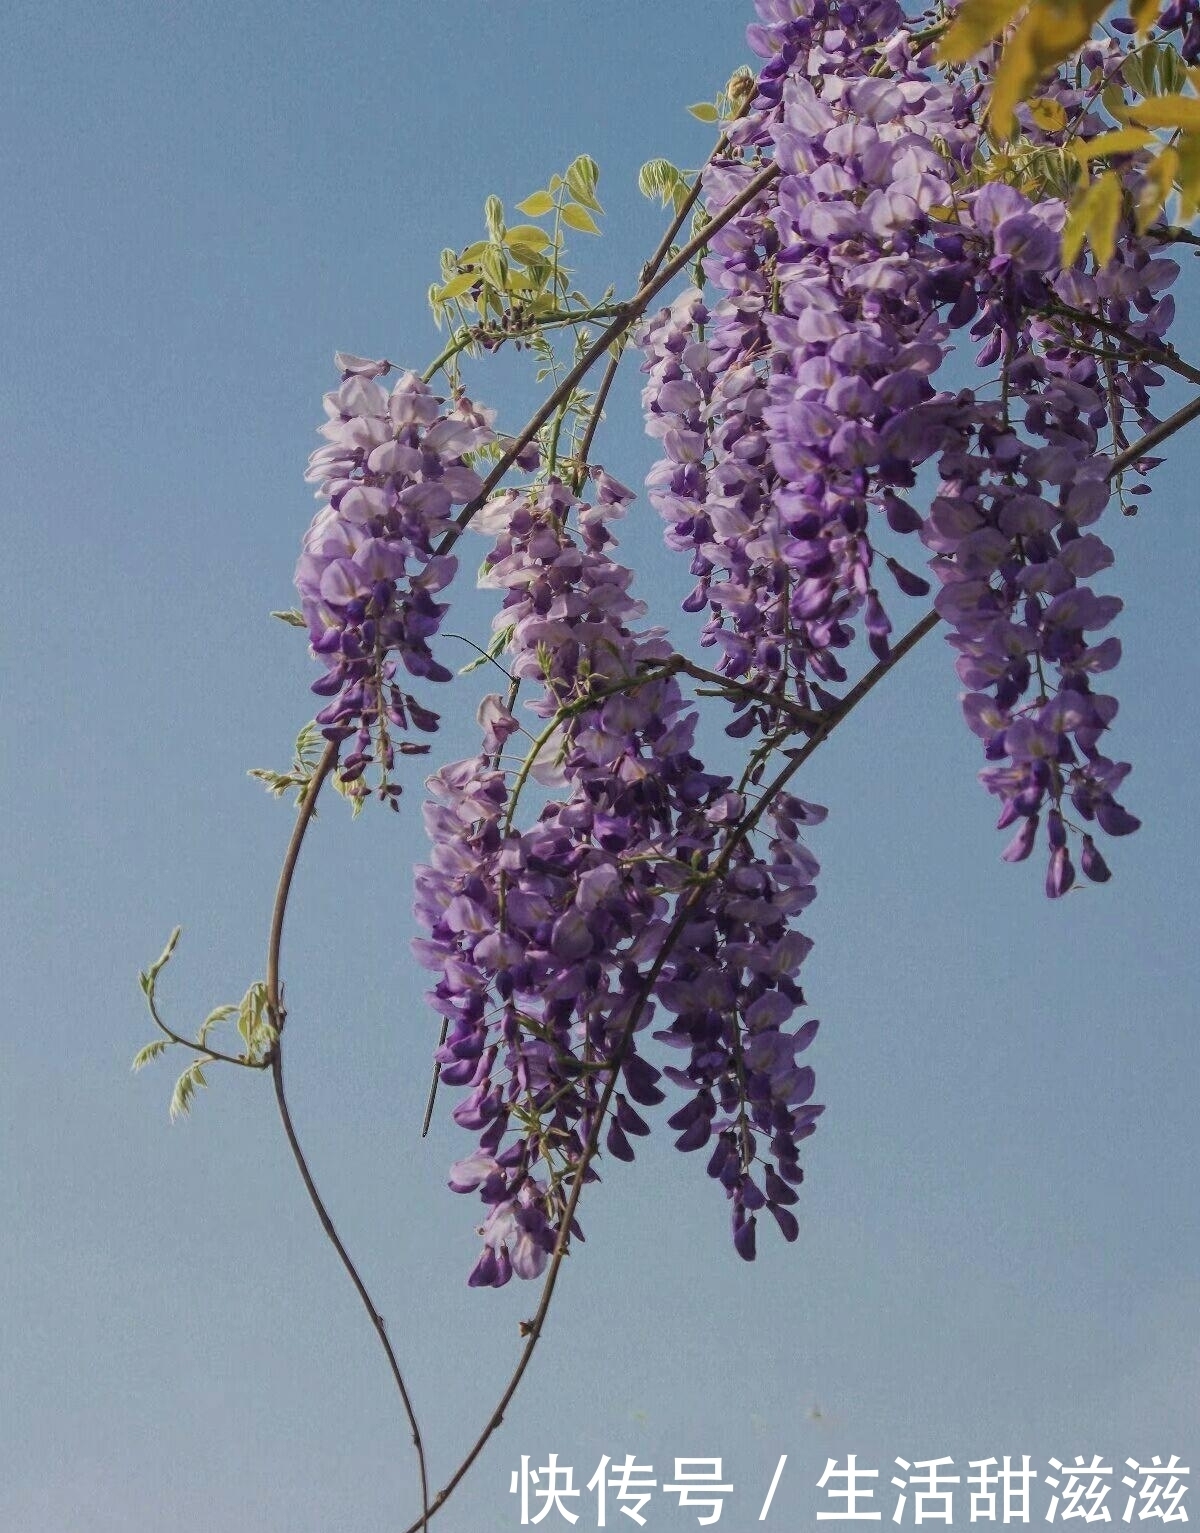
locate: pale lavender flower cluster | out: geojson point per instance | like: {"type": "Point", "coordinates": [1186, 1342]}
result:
{"type": "Point", "coordinates": [796, 406]}
{"type": "Point", "coordinates": [1006, 528]}
{"type": "Point", "coordinates": [1020, 480]}
{"type": "Point", "coordinates": [392, 468]}
{"type": "Point", "coordinates": [631, 889]}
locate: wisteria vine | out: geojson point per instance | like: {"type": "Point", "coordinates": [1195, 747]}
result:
{"type": "Point", "coordinates": [611, 925]}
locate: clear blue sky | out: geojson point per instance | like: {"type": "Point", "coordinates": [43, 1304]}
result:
{"type": "Point", "coordinates": [999, 1236]}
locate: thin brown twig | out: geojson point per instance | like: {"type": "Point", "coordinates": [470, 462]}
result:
{"type": "Point", "coordinates": [335, 1240]}
{"type": "Point", "coordinates": [304, 814]}
{"type": "Point", "coordinates": [202, 1048]}
{"type": "Point", "coordinates": [433, 1084]}
{"type": "Point", "coordinates": [278, 1017]}
{"type": "Point", "coordinates": [1171, 233]}
{"type": "Point", "coordinates": [730, 686]}
{"type": "Point", "coordinates": [1155, 437]}
{"type": "Point", "coordinates": [589, 436]}
{"type": "Point", "coordinates": [648, 271]}
{"type": "Point", "coordinates": [1155, 351]}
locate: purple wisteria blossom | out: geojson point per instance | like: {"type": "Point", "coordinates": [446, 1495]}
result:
{"type": "Point", "coordinates": [632, 891]}
{"type": "Point", "coordinates": [796, 401]}
{"type": "Point", "coordinates": [393, 467]}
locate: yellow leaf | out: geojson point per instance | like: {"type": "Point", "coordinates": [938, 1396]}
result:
{"type": "Point", "coordinates": [1144, 13]}
{"type": "Point", "coordinates": [1076, 227]}
{"type": "Point", "coordinates": [1122, 141]}
{"type": "Point", "coordinates": [1160, 180]}
{"type": "Point", "coordinates": [975, 25]}
{"type": "Point", "coordinates": [457, 286]}
{"type": "Point", "coordinates": [1094, 216]}
{"type": "Point", "coordinates": [1049, 115]}
{"type": "Point", "coordinates": [1046, 34]}
{"type": "Point", "coordinates": [1188, 176]}
{"type": "Point", "coordinates": [1105, 215]}
{"type": "Point", "coordinates": [704, 111]}
{"type": "Point", "coordinates": [1167, 112]}
{"type": "Point", "coordinates": [579, 218]}
{"type": "Point", "coordinates": [527, 234]}
{"type": "Point", "coordinates": [536, 204]}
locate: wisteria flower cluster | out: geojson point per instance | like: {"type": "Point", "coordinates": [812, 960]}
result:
{"type": "Point", "coordinates": [393, 467]}
{"type": "Point", "coordinates": [797, 407]}
{"type": "Point", "coordinates": [632, 890]}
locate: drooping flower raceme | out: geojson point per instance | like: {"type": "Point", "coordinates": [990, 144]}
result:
{"type": "Point", "coordinates": [393, 467]}
{"type": "Point", "coordinates": [632, 890]}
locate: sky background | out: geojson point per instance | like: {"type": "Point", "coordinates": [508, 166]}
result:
{"type": "Point", "coordinates": [999, 1239]}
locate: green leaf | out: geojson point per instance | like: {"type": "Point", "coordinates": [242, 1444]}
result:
{"type": "Point", "coordinates": [659, 178]}
{"type": "Point", "coordinates": [577, 218]}
{"type": "Point", "coordinates": [1143, 13]}
{"type": "Point", "coordinates": [704, 111]}
{"type": "Point", "coordinates": [1045, 35]}
{"type": "Point", "coordinates": [538, 271]}
{"type": "Point", "coordinates": [276, 783]}
{"type": "Point", "coordinates": [1172, 72]}
{"type": "Point", "coordinates": [1135, 73]}
{"type": "Point", "coordinates": [496, 647]}
{"type": "Point", "coordinates": [536, 204]}
{"type": "Point", "coordinates": [147, 979]}
{"type": "Point", "coordinates": [352, 792]}
{"type": "Point", "coordinates": [185, 1090]}
{"type": "Point", "coordinates": [582, 175]}
{"type": "Point", "coordinates": [218, 1015]}
{"type": "Point", "coordinates": [740, 86]}
{"type": "Point", "coordinates": [151, 1051]}
{"type": "Point", "coordinates": [1095, 217]}
{"type": "Point", "coordinates": [1187, 174]}
{"type": "Point", "coordinates": [292, 616]}
{"type": "Point", "coordinates": [309, 743]}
